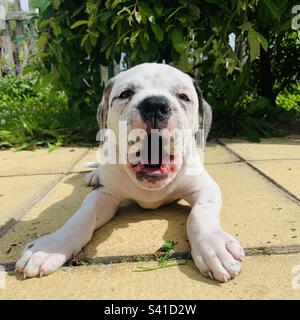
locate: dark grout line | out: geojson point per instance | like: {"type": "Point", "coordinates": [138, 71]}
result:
{"type": "Point", "coordinates": [31, 174]}
{"type": "Point", "coordinates": [37, 197]}
{"type": "Point", "coordinates": [44, 174]}
{"type": "Point", "coordinates": [179, 255]}
{"type": "Point", "coordinates": [278, 159]}
{"type": "Point", "coordinates": [226, 162]}
{"type": "Point", "coordinates": [285, 191]}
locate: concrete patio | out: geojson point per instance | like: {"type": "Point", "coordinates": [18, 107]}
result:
{"type": "Point", "coordinates": [260, 183]}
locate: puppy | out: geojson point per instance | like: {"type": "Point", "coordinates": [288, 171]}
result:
{"type": "Point", "coordinates": [147, 102]}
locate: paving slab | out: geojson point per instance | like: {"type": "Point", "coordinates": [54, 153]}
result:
{"type": "Point", "coordinates": [39, 161]}
{"type": "Point", "coordinates": [216, 154]}
{"type": "Point", "coordinates": [89, 157]}
{"type": "Point", "coordinates": [285, 172]}
{"type": "Point", "coordinates": [18, 192]}
{"type": "Point", "coordinates": [273, 148]}
{"type": "Point", "coordinates": [262, 277]}
{"type": "Point", "coordinates": [256, 212]}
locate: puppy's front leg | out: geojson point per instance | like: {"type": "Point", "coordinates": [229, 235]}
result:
{"type": "Point", "coordinates": [47, 254]}
{"type": "Point", "coordinates": [216, 253]}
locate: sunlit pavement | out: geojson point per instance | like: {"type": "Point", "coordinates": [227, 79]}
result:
{"type": "Point", "coordinates": [260, 183]}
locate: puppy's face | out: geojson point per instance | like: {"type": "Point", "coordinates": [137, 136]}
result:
{"type": "Point", "coordinates": [157, 102]}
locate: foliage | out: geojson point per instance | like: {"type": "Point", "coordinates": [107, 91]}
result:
{"type": "Point", "coordinates": [76, 37]}
{"type": "Point", "coordinates": [32, 116]}
{"type": "Point", "coordinates": [163, 256]}
{"type": "Point", "coordinates": [289, 99]}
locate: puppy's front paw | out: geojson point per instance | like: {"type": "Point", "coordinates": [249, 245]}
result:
{"type": "Point", "coordinates": [43, 256]}
{"type": "Point", "coordinates": [218, 255]}
{"type": "Point", "coordinates": [91, 179]}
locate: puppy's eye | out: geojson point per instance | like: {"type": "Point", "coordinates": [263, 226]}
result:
{"type": "Point", "coordinates": [184, 97]}
{"type": "Point", "coordinates": [126, 94]}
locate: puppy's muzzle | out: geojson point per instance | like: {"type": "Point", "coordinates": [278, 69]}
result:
{"type": "Point", "coordinates": [155, 111]}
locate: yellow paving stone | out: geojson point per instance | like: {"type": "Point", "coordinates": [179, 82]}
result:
{"type": "Point", "coordinates": [39, 161]}
{"type": "Point", "coordinates": [284, 172]}
{"type": "Point", "coordinates": [273, 148]}
{"type": "Point", "coordinates": [262, 277]}
{"type": "Point", "coordinates": [17, 192]}
{"type": "Point", "coordinates": [89, 157]}
{"type": "Point", "coordinates": [217, 154]}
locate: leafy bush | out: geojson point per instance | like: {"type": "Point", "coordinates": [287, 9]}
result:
{"type": "Point", "coordinates": [33, 116]}
{"type": "Point", "coordinates": [76, 37]}
{"type": "Point", "coordinates": [289, 99]}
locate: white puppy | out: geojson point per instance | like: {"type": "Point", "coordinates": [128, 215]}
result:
{"type": "Point", "coordinates": [146, 97]}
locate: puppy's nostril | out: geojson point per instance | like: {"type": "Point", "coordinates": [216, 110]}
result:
{"type": "Point", "coordinates": [164, 109]}
{"type": "Point", "coordinates": [153, 105]}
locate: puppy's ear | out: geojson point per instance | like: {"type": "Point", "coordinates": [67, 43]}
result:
{"type": "Point", "coordinates": [205, 112]}
{"type": "Point", "coordinates": [103, 106]}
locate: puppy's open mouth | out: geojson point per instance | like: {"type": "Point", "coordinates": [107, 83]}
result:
{"type": "Point", "coordinates": [152, 158]}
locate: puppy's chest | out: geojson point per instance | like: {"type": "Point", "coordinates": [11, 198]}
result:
{"type": "Point", "coordinates": [155, 204]}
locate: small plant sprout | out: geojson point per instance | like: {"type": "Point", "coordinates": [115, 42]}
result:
{"type": "Point", "coordinates": [163, 256]}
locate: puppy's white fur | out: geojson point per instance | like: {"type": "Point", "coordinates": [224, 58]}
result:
{"type": "Point", "coordinates": [216, 253]}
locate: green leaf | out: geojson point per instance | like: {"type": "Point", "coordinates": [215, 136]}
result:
{"type": "Point", "coordinates": [84, 39]}
{"type": "Point", "coordinates": [41, 43]}
{"type": "Point", "coordinates": [146, 9]}
{"type": "Point", "coordinates": [25, 146]}
{"type": "Point", "coordinates": [273, 8]}
{"type": "Point", "coordinates": [138, 17]}
{"type": "Point", "coordinates": [94, 35]}
{"type": "Point", "coordinates": [115, 4]}
{"type": "Point", "coordinates": [254, 44]}
{"type": "Point", "coordinates": [168, 246]}
{"type": "Point", "coordinates": [178, 40]}
{"type": "Point", "coordinates": [263, 41]}
{"type": "Point", "coordinates": [157, 31]}
{"type": "Point", "coordinates": [64, 71]}
{"type": "Point", "coordinates": [194, 10]}
{"type": "Point", "coordinates": [44, 24]}
{"type": "Point", "coordinates": [79, 23]}
{"type": "Point", "coordinates": [55, 4]}
{"type": "Point", "coordinates": [158, 8]}
{"type": "Point", "coordinates": [56, 30]}
{"type": "Point", "coordinates": [151, 19]}
{"type": "Point", "coordinates": [143, 15]}
{"type": "Point", "coordinates": [42, 5]}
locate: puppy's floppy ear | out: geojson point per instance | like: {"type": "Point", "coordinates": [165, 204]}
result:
{"type": "Point", "coordinates": [205, 112]}
{"type": "Point", "coordinates": [103, 106]}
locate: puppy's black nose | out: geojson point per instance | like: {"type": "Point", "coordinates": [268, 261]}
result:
{"type": "Point", "coordinates": [156, 111]}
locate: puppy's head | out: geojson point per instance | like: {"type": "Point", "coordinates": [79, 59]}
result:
{"type": "Point", "coordinates": [158, 104]}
